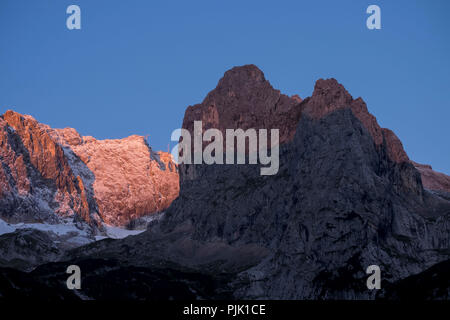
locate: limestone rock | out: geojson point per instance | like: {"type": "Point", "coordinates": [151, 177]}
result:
{"type": "Point", "coordinates": [47, 174]}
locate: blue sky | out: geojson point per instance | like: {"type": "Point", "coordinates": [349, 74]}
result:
{"type": "Point", "coordinates": [135, 66]}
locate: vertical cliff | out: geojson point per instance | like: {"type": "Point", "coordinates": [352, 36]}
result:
{"type": "Point", "coordinates": [47, 174]}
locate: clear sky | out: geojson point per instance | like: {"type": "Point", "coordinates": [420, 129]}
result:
{"type": "Point", "coordinates": [135, 65]}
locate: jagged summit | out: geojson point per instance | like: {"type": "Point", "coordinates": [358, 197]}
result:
{"type": "Point", "coordinates": [37, 179]}
{"type": "Point", "coordinates": [242, 76]}
{"type": "Point", "coordinates": [244, 99]}
{"type": "Point", "coordinates": [51, 173]}
{"type": "Point", "coordinates": [344, 198]}
{"type": "Point", "coordinates": [333, 91]}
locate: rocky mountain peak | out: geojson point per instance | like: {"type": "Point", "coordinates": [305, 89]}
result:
{"type": "Point", "coordinates": [66, 136]}
{"type": "Point", "coordinates": [38, 175]}
{"type": "Point", "coordinates": [330, 93]}
{"type": "Point", "coordinates": [50, 173]}
{"type": "Point", "coordinates": [345, 197]}
{"type": "Point", "coordinates": [394, 146]}
{"type": "Point", "coordinates": [131, 180]}
{"type": "Point", "coordinates": [13, 117]}
{"type": "Point", "coordinates": [242, 76]}
{"type": "Point", "coordinates": [244, 99]}
{"type": "Point", "coordinates": [329, 96]}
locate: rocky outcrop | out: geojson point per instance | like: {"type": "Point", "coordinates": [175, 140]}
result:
{"type": "Point", "coordinates": [345, 197]}
{"type": "Point", "coordinates": [47, 174]}
{"type": "Point", "coordinates": [28, 248]}
{"type": "Point", "coordinates": [131, 180]}
{"type": "Point", "coordinates": [36, 177]}
{"type": "Point", "coordinates": [244, 99]}
{"type": "Point", "coordinates": [433, 180]}
{"type": "Point", "coordinates": [329, 96]}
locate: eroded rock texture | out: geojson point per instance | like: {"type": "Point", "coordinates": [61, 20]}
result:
{"type": "Point", "coordinates": [433, 180]}
{"type": "Point", "coordinates": [47, 174]}
{"type": "Point", "coordinates": [130, 180]}
{"type": "Point", "coordinates": [345, 197]}
{"type": "Point", "coordinates": [244, 99]}
{"type": "Point", "coordinates": [38, 183]}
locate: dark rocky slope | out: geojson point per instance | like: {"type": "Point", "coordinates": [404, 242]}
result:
{"type": "Point", "coordinates": [345, 197]}
{"type": "Point", "coordinates": [431, 284]}
{"type": "Point", "coordinates": [111, 280]}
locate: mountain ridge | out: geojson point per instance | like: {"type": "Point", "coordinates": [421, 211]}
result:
{"type": "Point", "coordinates": [341, 201]}
{"type": "Point", "coordinates": [87, 174]}
{"type": "Point", "coordinates": [346, 196]}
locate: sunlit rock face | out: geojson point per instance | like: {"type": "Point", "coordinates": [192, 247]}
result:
{"type": "Point", "coordinates": [346, 194]}
{"type": "Point", "coordinates": [47, 174]}
{"type": "Point", "coordinates": [37, 180]}
{"type": "Point", "coordinates": [131, 180]}
{"type": "Point", "coordinates": [244, 99]}
{"type": "Point", "coordinates": [433, 180]}
{"type": "Point", "coordinates": [345, 197]}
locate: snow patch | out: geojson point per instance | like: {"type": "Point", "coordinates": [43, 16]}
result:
{"type": "Point", "coordinates": [70, 233]}
{"type": "Point", "coordinates": [118, 233]}
{"type": "Point", "coordinates": [6, 227]}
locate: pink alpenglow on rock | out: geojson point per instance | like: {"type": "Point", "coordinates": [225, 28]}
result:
{"type": "Point", "coordinates": [244, 99]}
{"type": "Point", "coordinates": [131, 180]}
{"type": "Point", "coordinates": [431, 179]}
{"type": "Point", "coordinates": [47, 174]}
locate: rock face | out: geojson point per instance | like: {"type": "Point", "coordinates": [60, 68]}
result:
{"type": "Point", "coordinates": [131, 180]}
{"type": "Point", "coordinates": [345, 197]}
{"type": "Point", "coordinates": [47, 174]}
{"type": "Point", "coordinates": [433, 180]}
{"type": "Point", "coordinates": [35, 175]}
{"type": "Point", "coordinates": [245, 99]}
{"type": "Point", "coordinates": [29, 248]}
